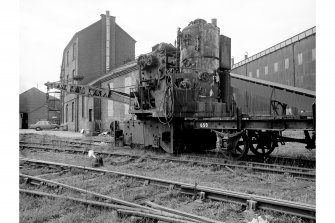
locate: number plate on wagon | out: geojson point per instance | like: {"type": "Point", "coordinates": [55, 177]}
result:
{"type": "Point", "coordinates": [203, 124]}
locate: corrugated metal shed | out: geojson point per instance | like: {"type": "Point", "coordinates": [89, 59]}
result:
{"type": "Point", "coordinates": [291, 62]}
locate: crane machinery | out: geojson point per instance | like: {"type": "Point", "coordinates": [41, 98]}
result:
{"type": "Point", "coordinates": [183, 100]}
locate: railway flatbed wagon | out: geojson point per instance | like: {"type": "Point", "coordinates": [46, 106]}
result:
{"type": "Point", "coordinates": [232, 137]}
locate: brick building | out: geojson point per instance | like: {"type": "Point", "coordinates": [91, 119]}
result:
{"type": "Point", "coordinates": [34, 107]}
{"type": "Point", "coordinates": [91, 53]}
{"type": "Point", "coordinates": [121, 79]}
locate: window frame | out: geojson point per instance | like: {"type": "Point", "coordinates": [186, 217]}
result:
{"type": "Point", "coordinates": [72, 112]}
{"type": "Point", "coordinates": [287, 65]}
{"type": "Point", "coordinates": [275, 67]}
{"type": "Point", "coordinates": [110, 103]}
{"type": "Point", "coordinates": [67, 58]}
{"type": "Point", "coordinates": [73, 74]}
{"type": "Point", "coordinates": [300, 59]}
{"type": "Point", "coordinates": [90, 111]}
{"type": "Point", "coordinates": [66, 113]}
{"type": "Point", "coordinates": [82, 106]}
{"type": "Point", "coordinates": [73, 51]}
{"type": "Point", "coordinates": [313, 54]}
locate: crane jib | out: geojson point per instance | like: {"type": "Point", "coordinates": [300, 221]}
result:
{"type": "Point", "coordinates": [90, 91]}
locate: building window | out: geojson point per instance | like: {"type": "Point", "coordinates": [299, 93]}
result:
{"type": "Point", "coordinates": [257, 73]}
{"type": "Point", "coordinates": [73, 74]}
{"type": "Point", "coordinates": [74, 51]}
{"type": "Point", "coordinates": [66, 112]}
{"type": "Point", "coordinates": [126, 109]}
{"type": "Point", "coordinates": [72, 112]}
{"type": "Point", "coordinates": [266, 70]}
{"type": "Point", "coordinates": [250, 74]}
{"type": "Point", "coordinates": [89, 115]}
{"type": "Point", "coordinates": [299, 58]}
{"type": "Point", "coordinates": [127, 84]}
{"type": "Point", "coordinates": [110, 109]}
{"type": "Point", "coordinates": [286, 63]}
{"type": "Point", "coordinates": [276, 67]}
{"type": "Point", "coordinates": [67, 58]}
{"type": "Point", "coordinates": [82, 106]}
{"type": "Point", "coordinates": [313, 54]}
{"type": "Point", "coordinates": [67, 77]}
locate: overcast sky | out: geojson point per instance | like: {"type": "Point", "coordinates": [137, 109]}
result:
{"type": "Point", "coordinates": [46, 26]}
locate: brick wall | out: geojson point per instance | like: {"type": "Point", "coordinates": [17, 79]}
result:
{"type": "Point", "coordinates": [90, 62]}
{"type": "Point", "coordinates": [90, 55]}
{"type": "Point", "coordinates": [124, 47]}
{"type": "Point", "coordinates": [37, 115]}
{"type": "Point", "coordinates": [33, 102]}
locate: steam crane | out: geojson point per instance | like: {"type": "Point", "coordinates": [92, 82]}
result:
{"type": "Point", "coordinates": [183, 100]}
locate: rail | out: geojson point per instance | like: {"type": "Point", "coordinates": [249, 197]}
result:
{"type": "Point", "coordinates": [252, 202]}
{"type": "Point", "coordinates": [302, 173]}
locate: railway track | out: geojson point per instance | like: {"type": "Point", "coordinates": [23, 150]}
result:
{"type": "Point", "coordinates": [301, 173]}
{"type": "Point", "coordinates": [251, 202]}
{"type": "Point", "coordinates": [121, 206]}
{"type": "Point", "coordinates": [79, 143]}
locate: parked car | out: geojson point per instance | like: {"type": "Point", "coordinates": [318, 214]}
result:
{"type": "Point", "coordinates": [40, 125]}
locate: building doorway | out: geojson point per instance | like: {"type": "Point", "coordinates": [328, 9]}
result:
{"type": "Point", "coordinates": [23, 120]}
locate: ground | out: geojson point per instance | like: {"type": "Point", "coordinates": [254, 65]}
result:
{"type": "Point", "coordinates": [277, 186]}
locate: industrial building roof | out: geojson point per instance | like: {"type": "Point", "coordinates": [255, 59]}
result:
{"type": "Point", "coordinates": [278, 46]}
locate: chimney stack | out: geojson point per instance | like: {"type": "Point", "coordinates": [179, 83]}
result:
{"type": "Point", "coordinates": [214, 22]}
{"type": "Point", "coordinates": [246, 55]}
{"type": "Point", "coordinates": [108, 37]}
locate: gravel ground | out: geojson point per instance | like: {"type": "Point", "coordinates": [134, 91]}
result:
{"type": "Point", "coordinates": [63, 134]}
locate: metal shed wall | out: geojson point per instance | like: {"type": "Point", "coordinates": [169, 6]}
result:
{"type": "Point", "coordinates": [291, 62]}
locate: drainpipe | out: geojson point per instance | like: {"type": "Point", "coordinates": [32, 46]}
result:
{"type": "Point", "coordinates": [77, 114]}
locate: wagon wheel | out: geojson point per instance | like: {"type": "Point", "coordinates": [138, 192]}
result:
{"type": "Point", "coordinates": [238, 149]}
{"type": "Point", "coordinates": [262, 143]}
